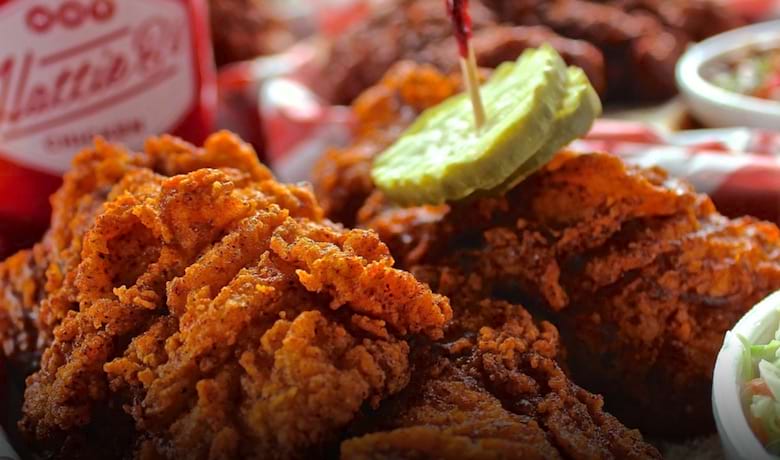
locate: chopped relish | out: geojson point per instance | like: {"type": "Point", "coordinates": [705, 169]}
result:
{"type": "Point", "coordinates": [753, 72]}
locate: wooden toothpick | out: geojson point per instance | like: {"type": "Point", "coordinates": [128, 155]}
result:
{"type": "Point", "coordinates": [461, 22]}
{"type": "Point", "coordinates": [469, 69]}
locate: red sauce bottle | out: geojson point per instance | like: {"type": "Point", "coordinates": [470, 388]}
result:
{"type": "Point", "coordinates": [74, 69]}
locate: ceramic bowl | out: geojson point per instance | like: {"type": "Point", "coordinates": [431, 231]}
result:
{"type": "Point", "coordinates": [758, 326]}
{"type": "Point", "coordinates": [718, 107]}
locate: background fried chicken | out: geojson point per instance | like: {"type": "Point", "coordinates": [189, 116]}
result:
{"type": "Point", "coordinates": [419, 30]}
{"type": "Point", "coordinates": [211, 314]}
{"type": "Point", "coordinates": [641, 274]}
{"type": "Point", "coordinates": [628, 48]}
{"type": "Point", "coordinates": [246, 29]}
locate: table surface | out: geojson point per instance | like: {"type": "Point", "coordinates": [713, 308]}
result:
{"type": "Point", "coordinates": [707, 448]}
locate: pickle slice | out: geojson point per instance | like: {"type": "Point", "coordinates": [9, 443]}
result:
{"type": "Point", "coordinates": [442, 157]}
{"type": "Point", "coordinates": [580, 107]}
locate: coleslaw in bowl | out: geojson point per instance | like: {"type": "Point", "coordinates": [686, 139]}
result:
{"type": "Point", "coordinates": [735, 384]}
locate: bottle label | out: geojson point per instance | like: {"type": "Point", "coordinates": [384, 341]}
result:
{"type": "Point", "coordinates": [71, 70]}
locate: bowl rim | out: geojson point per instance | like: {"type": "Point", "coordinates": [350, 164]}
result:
{"type": "Point", "coordinates": [689, 66]}
{"type": "Point", "coordinates": [735, 432]}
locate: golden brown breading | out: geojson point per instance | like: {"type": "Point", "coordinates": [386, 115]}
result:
{"type": "Point", "coordinates": [642, 275]}
{"type": "Point", "coordinates": [495, 390]}
{"type": "Point", "coordinates": [21, 279]}
{"type": "Point", "coordinates": [219, 312]}
{"type": "Point", "coordinates": [37, 284]}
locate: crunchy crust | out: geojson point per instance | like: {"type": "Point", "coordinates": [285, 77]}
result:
{"type": "Point", "coordinates": [642, 275]}
{"type": "Point", "coordinates": [213, 314]}
{"type": "Point", "coordinates": [494, 389]}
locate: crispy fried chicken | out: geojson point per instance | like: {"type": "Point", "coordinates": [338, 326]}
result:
{"type": "Point", "coordinates": [641, 274]}
{"type": "Point", "coordinates": [209, 312]}
{"type": "Point", "coordinates": [37, 284]}
{"type": "Point", "coordinates": [199, 309]}
{"type": "Point", "coordinates": [494, 389]}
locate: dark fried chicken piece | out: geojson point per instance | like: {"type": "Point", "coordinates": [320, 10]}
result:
{"type": "Point", "coordinates": [699, 19]}
{"type": "Point", "coordinates": [403, 29]}
{"type": "Point", "coordinates": [500, 44]}
{"type": "Point", "coordinates": [245, 29]}
{"type": "Point", "coordinates": [494, 390]}
{"type": "Point", "coordinates": [641, 39]}
{"type": "Point", "coordinates": [628, 48]}
{"type": "Point", "coordinates": [639, 51]}
{"type": "Point", "coordinates": [21, 278]}
{"type": "Point", "coordinates": [642, 275]}
{"type": "Point", "coordinates": [420, 31]}
{"type": "Point", "coordinates": [213, 314]}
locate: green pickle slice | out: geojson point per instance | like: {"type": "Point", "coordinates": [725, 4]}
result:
{"type": "Point", "coordinates": [442, 157]}
{"type": "Point", "coordinates": [580, 107]}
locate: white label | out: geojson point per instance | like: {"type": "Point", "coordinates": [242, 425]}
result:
{"type": "Point", "coordinates": [70, 70]}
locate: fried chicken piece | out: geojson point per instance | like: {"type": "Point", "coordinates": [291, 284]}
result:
{"type": "Point", "coordinates": [642, 275]}
{"type": "Point", "coordinates": [20, 279]}
{"type": "Point", "coordinates": [218, 311]}
{"type": "Point", "coordinates": [245, 29]}
{"type": "Point", "coordinates": [640, 52]}
{"type": "Point", "coordinates": [37, 284]}
{"type": "Point", "coordinates": [628, 48]}
{"type": "Point", "coordinates": [420, 31]}
{"type": "Point", "coordinates": [699, 19]}
{"type": "Point", "coordinates": [495, 390]}
{"type": "Point", "coordinates": [403, 29]}
{"type": "Point", "coordinates": [641, 39]}
{"type": "Point", "coordinates": [500, 44]}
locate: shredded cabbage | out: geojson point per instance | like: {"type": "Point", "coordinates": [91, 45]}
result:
{"type": "Point", "coordinates": [767, 352]}
{"type": "Point", "coordinates": [771, 375]}
{"type": "Point", "coordinates": [747, 359]}
{"type": "Point", "coordinates": [761, 366]}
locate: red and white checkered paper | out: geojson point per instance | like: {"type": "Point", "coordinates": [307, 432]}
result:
{"type": "Point", "coordinates": [738, 167]}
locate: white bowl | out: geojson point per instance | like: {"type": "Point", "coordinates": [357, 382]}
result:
{"type": "Point", "coordinates": [715, 106]}
{"type": "Point", "coordinates": [758, 326]}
